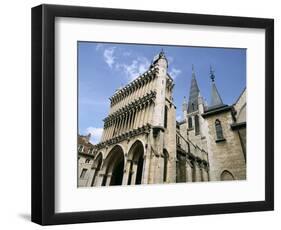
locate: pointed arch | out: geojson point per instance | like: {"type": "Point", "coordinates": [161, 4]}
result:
{"type": "Point", "coordinates": [226, 175]}
{"type": "Point", "coordinates": [113, 167]}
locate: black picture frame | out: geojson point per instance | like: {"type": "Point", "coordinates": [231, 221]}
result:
{"type": "Point", "coordinates": [43, 114]}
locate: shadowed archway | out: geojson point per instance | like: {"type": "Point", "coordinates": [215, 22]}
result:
{"type": "Point", "coordinates": [135, 157]}
{"type": "Point", "coordinates": [114, 167]}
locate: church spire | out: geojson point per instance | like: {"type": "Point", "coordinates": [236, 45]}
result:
{"type": "Point", "coordinates": [193, 94]}
{"type": "Point", "coordinates": [216, 100]}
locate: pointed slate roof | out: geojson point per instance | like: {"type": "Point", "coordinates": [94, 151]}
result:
{"type": "Point", "coordinates": [216, 100]}
{"type": "Point", "coordinates": [193, 94]}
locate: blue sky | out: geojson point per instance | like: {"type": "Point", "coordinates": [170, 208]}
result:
{"type": "Point", "coordinates": [104, 67]}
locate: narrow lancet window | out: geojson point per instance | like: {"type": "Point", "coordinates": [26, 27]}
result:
{"type": "Point", "coordinates": [197, 126]}
{"type": "Point", "coordinates": [166, 117]}
{"type": "Point", "coordinates": [219, 131]}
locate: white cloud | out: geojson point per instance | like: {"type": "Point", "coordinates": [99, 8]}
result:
{"type": "Point", "coordinates": [96, 134]}
{"type": "Point", "coordinates": [136, 68]}
{"type": "Point", "coordinates": [174, 73]}
{"type": "Point", "coordinates": [109, 57]}
{"type": "Point", "coordinates": [179, 118]}
{"type": "Point", "coordinates": [131, 70]}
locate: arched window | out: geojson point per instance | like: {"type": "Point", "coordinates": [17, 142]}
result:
{"type": "Point", "coordinates": [219, 132]}
{"type": "Point", "coordinates": [166, 117]}
{"type": "Point", "coordinates": [190, 122]}
{"type": "Point", "coordinates": [226, 175]}
{"type": "Point", "coordinates": [197, 127]}
{"type": "Point", "coordinates": [87, 160]}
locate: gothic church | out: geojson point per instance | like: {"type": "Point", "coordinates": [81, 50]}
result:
{"type": "Point", "coordinates": [142, 143]}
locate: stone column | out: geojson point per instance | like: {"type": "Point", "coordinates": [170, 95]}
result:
{"type": "Point", "coordinates": [142, 88]}
{"type": "Point", "coordinates": [137, 117]}
{"type": "Point", "coordinates": [139, 89]}
{"type": "Point", "coordinates": [105, 132]}
{"type": "Point", "coordinates": [111, 129]}
{"type": "Point", "coordinates": [122, 123]}
{"type": "Point", "coordinates": [151, 107]}
{"type": "Point", "coordinates": [146, 108]}
{"type": "Point", "coordinates": [205, 175]}
{"type": "Point", "coordinates": [126, 172]}
{"type": "Point", "coordinates": [197, 171]}
{"type": "Point", "coordinates": [99, 178]}
{"type": "Point", "coordinates": [146, 163]}
{"type": "Point", "coordinates": [134, 93]}
{"type": "Point", "coordinates": [125, 122]}
{"type": "Point", "coordinates": [134, 174]}
{"type": "Point", "coordinates": [91, 177]}
{"type": "Point", "coordinates": [135, 126]}
{"type": "Point", "coordinates": [142, 116]}
{"type": "Point", "coordinates": [134, 118]}
{"type": "Point", "coordinates": [118, 126]}
{"type": "Point", "coordinates": [128, 121]}
{"type": "Point", "coordinates": [108, 179]}
{"type": "Point", "coordinates": [188, 171]}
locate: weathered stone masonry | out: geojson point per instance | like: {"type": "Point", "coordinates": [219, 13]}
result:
{"type": "Point", "coordinates": [142, 143]}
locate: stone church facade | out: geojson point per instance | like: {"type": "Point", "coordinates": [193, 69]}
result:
{"type": "Point", "coordinates": [142, 143]}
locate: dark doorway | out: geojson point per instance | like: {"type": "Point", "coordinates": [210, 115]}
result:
{"type": "Point", "coordinates": [117, 173]}
{"type": "Point", "coordinates": [139, 170]}
{"type": "Point", "coordinates": [136, 155]}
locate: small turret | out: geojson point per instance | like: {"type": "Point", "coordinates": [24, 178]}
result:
{"type": "Point", "coordinates": [216, 100]}
{"type": "Point", "coordinates": [160, 60]}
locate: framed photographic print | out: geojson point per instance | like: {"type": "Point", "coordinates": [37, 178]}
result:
{"type": "Point", "coordinates": [144, 114]}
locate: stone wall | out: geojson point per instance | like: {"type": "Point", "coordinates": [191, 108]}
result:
{"type": "Point", "coordinates": [226, 154]}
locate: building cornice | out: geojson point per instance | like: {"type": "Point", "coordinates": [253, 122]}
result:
{"type": "Point", "coordinates": [216, 111]}
{"type": "Point", "coordinates": [124, 136]}
{"type": "Point", "coordinates": [236, 126]}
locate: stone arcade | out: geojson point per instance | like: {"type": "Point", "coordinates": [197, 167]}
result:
{"type": "Point", "coordinates": [142, 143]}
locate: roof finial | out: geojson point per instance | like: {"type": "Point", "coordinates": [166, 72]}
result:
{"type": "Point", "coordinates": [162, 54]}
{"type": "Point", "coordinates": [192, 68]}
{"type": "Point", "coordinates": [212, 76]}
